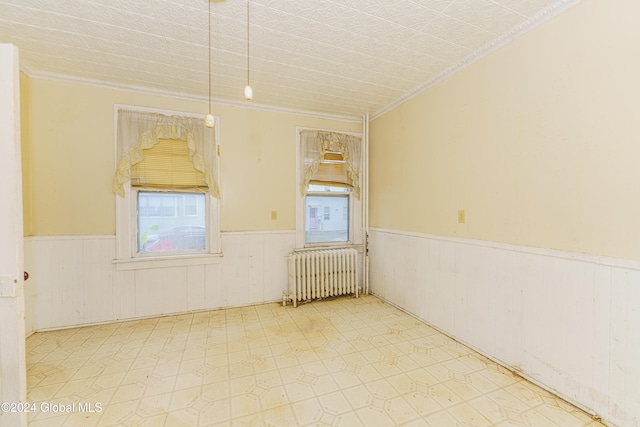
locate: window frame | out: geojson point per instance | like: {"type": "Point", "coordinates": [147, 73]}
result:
{"type": "Point", "coordinates": [127, 256]}
{"type": "Point", "coordinates": [355, 206]}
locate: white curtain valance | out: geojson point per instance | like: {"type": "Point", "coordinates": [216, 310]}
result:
{"type": "Point", "coordinates": [139, 130]}
{"type": "Point", "coordinates": [316, 143]}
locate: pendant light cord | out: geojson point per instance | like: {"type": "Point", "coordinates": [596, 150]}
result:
{"type": "Point", "coordinates": [248, 8]}
{"type": "Point", "coordinates": [209, 55]}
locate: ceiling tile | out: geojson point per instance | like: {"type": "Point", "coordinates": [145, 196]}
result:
{"type": "Point", "coordinates": [347, 57]}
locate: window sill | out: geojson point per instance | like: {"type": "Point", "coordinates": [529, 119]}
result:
{"type": "Point", "coordinates": [165, 262]}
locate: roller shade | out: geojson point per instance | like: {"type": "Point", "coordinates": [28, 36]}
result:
{"type": "Point", "coordinates": [138, 131]}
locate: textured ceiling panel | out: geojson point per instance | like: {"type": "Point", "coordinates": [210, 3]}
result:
{"type": "Point", "coordinates": [335, 57]}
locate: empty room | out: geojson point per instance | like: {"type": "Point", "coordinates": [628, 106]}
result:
{"type": "Point", "coordinates": [319, 213]}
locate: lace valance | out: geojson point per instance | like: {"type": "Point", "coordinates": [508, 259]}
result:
{"type": "Point", "coordinates": [139, 130]}
{"type": "Point", "coordinates": [316, 143]}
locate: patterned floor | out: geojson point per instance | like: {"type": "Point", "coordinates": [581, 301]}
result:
{"type": "Point", "coordinates": [346, 362]}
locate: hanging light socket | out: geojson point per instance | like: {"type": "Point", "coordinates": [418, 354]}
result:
{"type": "Point", "coordinates": [209, 121]}
{"type": "Point", "coordinates": [248, 91]}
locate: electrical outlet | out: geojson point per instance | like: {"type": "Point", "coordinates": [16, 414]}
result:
{"type": "Point", "coordinates": [274, 215]}
{"type": "Point", "coordinates": [461, 218]}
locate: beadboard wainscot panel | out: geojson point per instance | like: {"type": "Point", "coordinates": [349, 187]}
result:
{"type": "Point", "coordinates": [255, 266]}
{"type": "Point", "coordinates": [569, 322]}
{"type": "Point", "coordinates": [97, 279]}
{"type": "Point", "coordinates": [74, 280]}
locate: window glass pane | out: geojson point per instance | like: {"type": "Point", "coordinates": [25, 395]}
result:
{"type": "Point", "coordinates": [171, 222]}
{"type": "Point", "coordinates": [325, 221]}
{"type": "Point", "coordinates": [191, 205]}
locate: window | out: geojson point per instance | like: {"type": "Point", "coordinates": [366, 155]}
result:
{"type": "Point", "coordinates": [328, 190]}
{"type": "Point", "coordinates": [328, 203]}
{"type": "Point", "coordinates": [324, 229]}
{"type": "Point", "coordinates": [165, 183]}
{"type": "Point", "coordinates": [169, 206]}
{"type": "Point", "coordinates": [167, 217]}
{"type": "Point", "coordinates": [170, 233]}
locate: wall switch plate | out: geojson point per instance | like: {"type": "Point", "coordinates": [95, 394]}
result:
{"type": "Point", "coordinates": [461, 217]}
{"type": "Point", "coordinates": [274, 215]}
{"type": "Point", "coordinates": [7, 287]}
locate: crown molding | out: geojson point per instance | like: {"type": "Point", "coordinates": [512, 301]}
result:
{"type": "Point", "coordinates": [27, 69]}
{"type": "Point", "coordinates": [64, 78]}
{"type": "Point", "coordinates": [490, 47]}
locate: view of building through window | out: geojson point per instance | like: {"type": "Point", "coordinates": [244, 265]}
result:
{"type": "Point", "coordinates": [327, 218]}
{"type": "Point", "coordinates": [169, 221]}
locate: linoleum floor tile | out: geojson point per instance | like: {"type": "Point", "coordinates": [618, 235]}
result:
{"type": "Point", "coordinates": [340, 362]}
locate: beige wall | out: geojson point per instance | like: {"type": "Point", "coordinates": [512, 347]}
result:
{"type": "Point", "coordinates": [71, 159]}
{"type": "Point", "coordinates": [538, 142]}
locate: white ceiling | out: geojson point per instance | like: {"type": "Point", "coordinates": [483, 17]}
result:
{"type": "Point", "coordinates": [333, 57]}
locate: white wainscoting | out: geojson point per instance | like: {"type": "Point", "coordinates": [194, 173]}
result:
{"type": "Point", "coordinates": [74, 281]}
{"type": "Point", "coordinates": [569, 322]}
